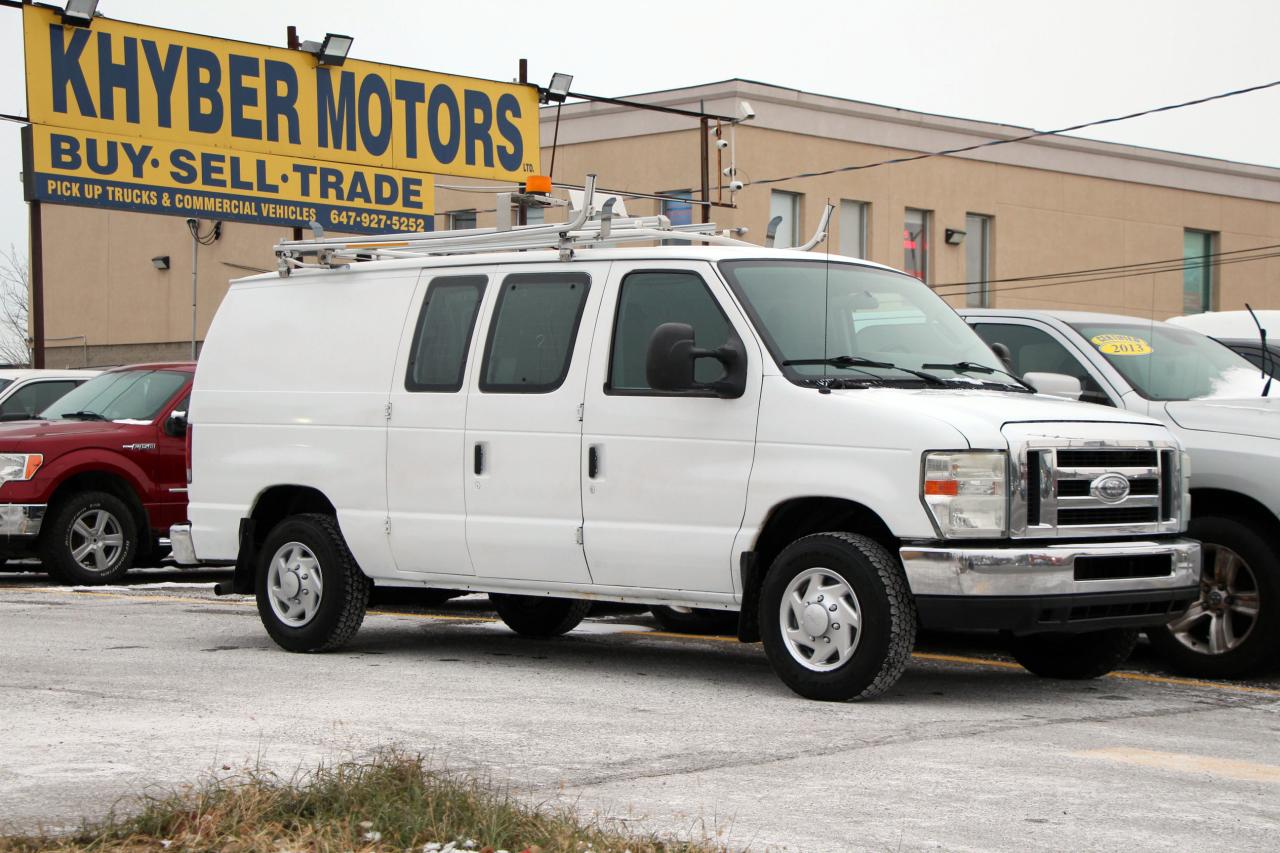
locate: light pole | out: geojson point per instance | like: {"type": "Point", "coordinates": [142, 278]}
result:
{"type": "Point", "coordinates": [198, 240]}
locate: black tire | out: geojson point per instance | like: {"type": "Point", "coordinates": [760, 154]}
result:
{"type": "Point", "coordinates": [539, 616]}
{"type": "Point", "coordinates": [696, 620]}
{"type": "Point", "coordinates": [1074, 656]}
{"type": "Point", "coordinates": [888, 616]}
{"type": "Point", "coordinates": [343, 599]}
{"type": "Point", "coordinates": [1261, 643]}
{"type": "Point", "coordinates": [62, 536]}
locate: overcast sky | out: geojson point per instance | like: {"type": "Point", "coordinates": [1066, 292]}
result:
{"type": "Point", "coordinates": [1035, 64]}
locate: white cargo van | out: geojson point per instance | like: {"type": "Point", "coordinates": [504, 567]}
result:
{"type": "Point", "coordinates": [817, 442]}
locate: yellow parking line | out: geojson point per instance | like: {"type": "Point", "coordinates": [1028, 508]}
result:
{"type": "Point", "coordinates": [1244, 771]}
{"type": "Point", "coordinates": [1168, 681]}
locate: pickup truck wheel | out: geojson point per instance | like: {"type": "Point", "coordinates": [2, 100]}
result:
{"type": "Point", "coordinates": [538, 616]}
{"type": "Point", "coordinates": [1074, 656]}
{"type": "Point", "coordinates": [1233, 628]}
{"type": "Point", "coordinates": [92, 539]}
{"type": "Point", "coordinates": [695, 620]}
{"type": "Point", "coordinates": [311, 594]}
{"type": "Point", "coordinates": [836, 617]}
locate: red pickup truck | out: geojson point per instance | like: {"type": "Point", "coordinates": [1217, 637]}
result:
{"type": "Point", "coordinates": [93, 485]}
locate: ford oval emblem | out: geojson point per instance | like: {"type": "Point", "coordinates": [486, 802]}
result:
{"type": "Point", "coordinates": [1110, 488]}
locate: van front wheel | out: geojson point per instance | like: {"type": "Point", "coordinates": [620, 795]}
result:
{"type": "Point", "coordinates": [836, 618]}
{"type": "Point", "coordinates": [1074, 656]}
{"type": "Point", "coordinates": [311, 594]}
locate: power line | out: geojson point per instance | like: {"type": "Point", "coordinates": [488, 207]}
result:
{"type": "Point", "coordinates": [1033, 135]}
{"type": "Point", "coordinates": [1136, 266]}
{"type": "Point", "coordinates": [1177, 268]}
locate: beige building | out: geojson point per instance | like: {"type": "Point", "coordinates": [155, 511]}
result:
{"type": "Point", "coordinates": [1053, 222]}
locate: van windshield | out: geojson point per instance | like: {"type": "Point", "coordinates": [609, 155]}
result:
{"type": "Point", "coordinates": [822, 319]}
{"type": "Point", "coordinates": [124, 395]}
{"type": "Point", "coordinates": [1164, 362]}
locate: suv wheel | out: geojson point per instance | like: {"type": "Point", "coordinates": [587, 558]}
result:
{"type": "Point", "coordinates": [91, 539]}
{"type": "Point", "coordinates": [1233, 628]}
{"type": "Point", "coordinates": [836, 617]}
{"type": "Point", "coordinates": [311, 594]}
{"type": "Point", "coordinates": [539, 616]}
{"type": "Point", "coordinates": [1074, 656]}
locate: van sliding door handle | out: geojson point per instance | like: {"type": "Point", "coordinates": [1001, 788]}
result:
{"type": "Point", "coordinates": [593, 462]}
{"type": "Point", "coordinates": [479, 460]}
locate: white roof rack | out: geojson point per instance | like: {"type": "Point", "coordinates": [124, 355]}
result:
{"type": "Point", "coordinates": [586, 227]}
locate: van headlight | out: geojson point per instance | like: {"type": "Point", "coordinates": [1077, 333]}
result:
{"type": "Point", "coordinates": [19, 466]}
{"type": "Point", "coordinates": [967, 492]}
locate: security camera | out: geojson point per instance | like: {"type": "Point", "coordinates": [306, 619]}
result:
{"type": "Point", "coordinates": [728, 171]}
{"type": "Point", "coordinates": [192, 223]}
{"type": "Point", "coordinates": [722, 144]}
{"type": "Point", "coordinates": [745, 110]}
{"type": "Point", "coordinates": [735, 186]}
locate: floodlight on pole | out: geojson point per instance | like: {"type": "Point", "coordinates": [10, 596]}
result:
{"type": "Point", "coordinates": [332, 51]}
{"type": "Point", "coordinates": [79, 13]}
{"type": "Point", "coordinates": [558, 90]}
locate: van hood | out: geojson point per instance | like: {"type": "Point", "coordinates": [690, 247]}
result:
{"type": "Point", "coordinates": [1254, 416]}
{"type": "Point", "coordinates": [980, 414]}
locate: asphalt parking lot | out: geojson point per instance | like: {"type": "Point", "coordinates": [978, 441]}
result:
{"type": "Point", "coordinates": [106, 691]}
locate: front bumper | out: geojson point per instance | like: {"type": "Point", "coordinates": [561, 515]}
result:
{"type": "Point", "coordinates": [1035, 589]}
{"type": "Point", "coordinates": [21, 520]}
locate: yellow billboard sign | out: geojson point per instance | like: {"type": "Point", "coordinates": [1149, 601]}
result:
{"type": "Point", "coordinates": [188, 95]}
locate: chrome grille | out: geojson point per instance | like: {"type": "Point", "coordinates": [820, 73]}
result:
{"type": "Point", "coordinates": [1093, 487]}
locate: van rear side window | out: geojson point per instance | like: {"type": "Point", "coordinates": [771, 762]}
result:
{"type": "Point", "coordinates": [443, 334]}
{"type": "Point", "coordinates": [534, 326]}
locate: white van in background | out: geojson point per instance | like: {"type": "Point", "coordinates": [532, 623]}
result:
{"type": "Point", "coordinates": [722, 427]}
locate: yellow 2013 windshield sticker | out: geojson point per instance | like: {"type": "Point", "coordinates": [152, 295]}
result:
{"type": "Point", "coordinates": [1121, 345]}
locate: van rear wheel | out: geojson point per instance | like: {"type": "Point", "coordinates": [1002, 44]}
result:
{"type": "Point", "coordinates": [836, 618]}
{"type": "Point", "coordinates": [311, 594]}
{"type": "Point", "coordinates": [539, 616]}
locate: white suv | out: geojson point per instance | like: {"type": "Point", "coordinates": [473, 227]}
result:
{"type": "Point", "coordinates": [818, 443]}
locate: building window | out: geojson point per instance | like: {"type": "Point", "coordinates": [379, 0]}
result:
{"type": "Point", "coordinates": [1197, 271]}
{"type": "Point", "coordinates": [460, 219]}
{"type": "Point", "coordinates": [977, 260]}
{"type": "Point", "coordinates": [678, 211]}
{"type": "Point", "coordinates": [786, 205]}
{"type": "Point", "coordinates": [915, 243]}
{"type": "Point", "coordinates": [853, 228]}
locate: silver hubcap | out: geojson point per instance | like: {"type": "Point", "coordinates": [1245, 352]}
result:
{"type": "Point", "coordinates": [1224, 616]}
{"type": "Point", "coordinates": [97, 541]}
{"type": "Point", "coordinates": [294, 584]}
{"type": "Point", "coordinates": [821, 620]}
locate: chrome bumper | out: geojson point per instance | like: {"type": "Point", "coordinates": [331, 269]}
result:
{"type": "Point", "coordinates": [181, 546]}
{"type": "Point", "coordinates": [1037, 571]}
{"type": "Point", "coordinates": [21, 519]}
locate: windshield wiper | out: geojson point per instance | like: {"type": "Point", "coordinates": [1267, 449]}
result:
{"type": "Point", "coordinates": [853, 362]}
{"type": "Point", "coordinates": [83, 416]}
{"type": "Point", "coordinates": [974, 367]}
{"type": "Point", "coordinates": [1266, 350]}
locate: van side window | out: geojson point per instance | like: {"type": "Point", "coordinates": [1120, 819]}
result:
{"type": "Point", "coordinates": [438, 355]}
{"type": "Point", "coordinates": [534, 326]}
{"type": "Point", "coordinates": [1036, 351]}
{"type": "Point", "coordinates": [648, 299]}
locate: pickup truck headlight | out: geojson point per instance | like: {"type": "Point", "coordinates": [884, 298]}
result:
{"type": "Point", "coordinates": [19, 466]}
{"type": "Point", "coordinates": [967, 493]}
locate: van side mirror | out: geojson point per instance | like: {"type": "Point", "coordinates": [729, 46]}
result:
{"type": "Point", "coordinates": [176, 424]}
{"type": "Point", "coordinates": [1055, 385]}
{"type": "Point", "coordinates": [670, 359]}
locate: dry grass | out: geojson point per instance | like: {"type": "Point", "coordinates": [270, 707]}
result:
{"type": "Point", "coordinates": [391, 802]}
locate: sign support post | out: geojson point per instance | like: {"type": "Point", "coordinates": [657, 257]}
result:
{"type": "Point", "coordinates": [36, 262]}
